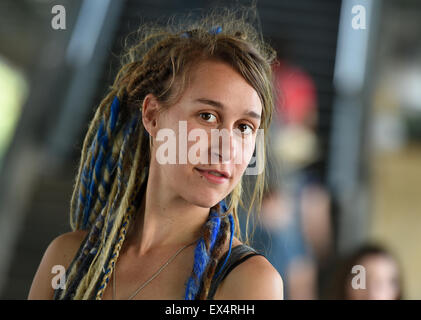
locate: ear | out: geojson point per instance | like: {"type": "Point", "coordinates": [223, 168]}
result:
{"type": "Point", "coordinates": [150, 113]}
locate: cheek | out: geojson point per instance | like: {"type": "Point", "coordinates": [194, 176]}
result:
{"type": "Point", "coordinates": [241, 161]}
{"type": "Point", "coordinates": [244, 149]}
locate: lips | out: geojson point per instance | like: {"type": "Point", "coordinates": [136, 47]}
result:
{"type": "Point", "coordinates": [216, 172]}
{"type": "Point", "coordinates": [214, 176]}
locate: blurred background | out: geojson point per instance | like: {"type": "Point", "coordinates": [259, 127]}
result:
{"type": "Point", "coordinates": [345, 160]}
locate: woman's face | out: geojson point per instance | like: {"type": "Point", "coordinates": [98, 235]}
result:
{"type": "Point", "coordinates": [218, 101]}
{"type": "Point", "coordinates": [382, 279]}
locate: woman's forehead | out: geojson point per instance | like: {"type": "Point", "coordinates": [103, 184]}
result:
{"type": "Point", "coordinates": [220, 83]}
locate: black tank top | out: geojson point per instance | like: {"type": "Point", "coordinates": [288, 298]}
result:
{"type": "Point", "coordinates": [238, 255]}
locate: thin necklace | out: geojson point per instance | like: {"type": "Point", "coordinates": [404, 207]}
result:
{"type": "Point", "coordinates": [154, 275]}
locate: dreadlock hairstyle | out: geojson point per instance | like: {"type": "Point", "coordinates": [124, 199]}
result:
{"type": "Point", "coordinates": [116, 152]}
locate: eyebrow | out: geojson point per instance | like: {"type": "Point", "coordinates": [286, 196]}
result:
{"type": "Point", "coordinates": [221, 106]}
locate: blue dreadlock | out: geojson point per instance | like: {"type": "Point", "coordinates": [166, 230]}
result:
{"type": "Point", "coordinates": [213, 30]}
{"type": "Point", "coordinates": [202, 254]}
{"type": "Point", "coordinates": [232, 224]}
{"type": "Point", "coordinates": [103, 138]}
{"type": "Point", "coordinates": [93, 217]}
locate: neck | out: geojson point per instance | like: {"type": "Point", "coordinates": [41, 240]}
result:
{"type": "Point", "coordinates": [165, 220]}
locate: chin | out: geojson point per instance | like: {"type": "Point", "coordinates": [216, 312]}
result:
{"type": "Point", "coordinates": [206, 201]}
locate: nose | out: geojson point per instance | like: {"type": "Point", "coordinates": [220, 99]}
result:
{"type": "Point", "coordinates": [223, 148]}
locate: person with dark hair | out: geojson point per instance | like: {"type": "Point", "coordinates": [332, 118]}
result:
{"type": "Point", "coordinates": [143, 229]}
{"type": "Point", "coordinates": [371, 272]}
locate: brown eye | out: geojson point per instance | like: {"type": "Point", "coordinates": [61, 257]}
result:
{"type": "Point", "coordinates": [245, 128]}
{"type": "Point", "coordinates": [207, 116]}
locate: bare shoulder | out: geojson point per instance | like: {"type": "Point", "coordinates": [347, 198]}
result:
{"type": "Point", "coordinates": [67, 244]}
{"type": "Point", "coordinates": [253, 279]}
{"type": "Point", "coordinates": [63, 248]}
{"type": "Point", "coordinates": [60, 252]}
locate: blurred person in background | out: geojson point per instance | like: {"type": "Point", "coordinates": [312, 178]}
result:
{"type": "Point", "coordinates": [295, 227]}
{"type": "Point", "coordinates": [297, 152]}
{"type": "Point", "coordinates": [379, 279]}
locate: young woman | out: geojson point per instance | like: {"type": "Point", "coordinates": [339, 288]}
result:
{"type": "Point", "coordinates": [370, 272]}
{"type": "Point", "coordinates": [146, 229]}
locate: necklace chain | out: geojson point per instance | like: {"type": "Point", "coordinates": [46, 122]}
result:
{"type": "Point", "coordinates": [153, 276]}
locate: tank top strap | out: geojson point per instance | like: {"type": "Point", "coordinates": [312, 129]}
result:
{"type": "Point", "coordinates": [238, 255]}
